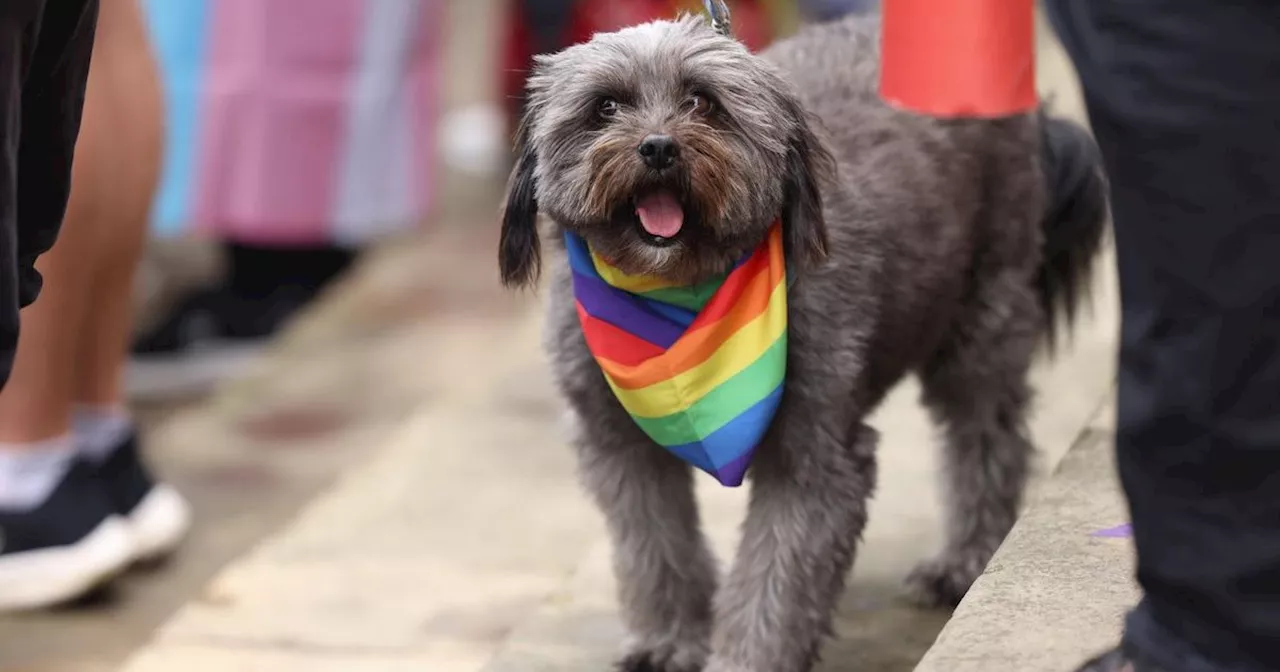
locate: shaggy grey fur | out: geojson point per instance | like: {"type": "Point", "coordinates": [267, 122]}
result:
{"type": "Point", "coordinates": [914, 246]}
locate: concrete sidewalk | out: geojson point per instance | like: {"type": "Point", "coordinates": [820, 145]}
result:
{"type": "Point", "coordinates": [1057, 591]}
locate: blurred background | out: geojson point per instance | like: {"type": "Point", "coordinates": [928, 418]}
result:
{"type": "Point", "coordinates": [324, 363]}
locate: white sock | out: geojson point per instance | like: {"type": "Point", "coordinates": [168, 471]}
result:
{"type": "Point", "coordinates": [100, 429]}
{"type": "Point", "coordinates": [29, 472]}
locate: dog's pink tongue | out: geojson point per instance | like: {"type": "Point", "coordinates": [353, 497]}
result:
{"type": "Point", "coordinates": [660, 214]}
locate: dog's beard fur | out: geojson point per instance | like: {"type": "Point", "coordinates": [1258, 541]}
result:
{"type": "Point", "coordinates": [701, 182]}
{"type": "Point", "coordinates": [747, 155]}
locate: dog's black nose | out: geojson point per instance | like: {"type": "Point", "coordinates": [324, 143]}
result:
{"type": "Point", "coordinates": [659, 151]}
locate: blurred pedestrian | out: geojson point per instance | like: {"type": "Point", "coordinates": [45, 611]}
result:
{"type": "Point", "coordinates": [300, 131]}
{"type": "Point", "coordinates": [77, 504]}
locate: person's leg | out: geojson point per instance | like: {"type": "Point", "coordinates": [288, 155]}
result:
{"type": "Point", "coordinates": [267, 285]}
{"type": "Point", "coordinates": [127, 71]}
{"type": "Point", "coordinates": [211, 333]}
{"type": "Point", "coordinates": [61, 537]}
{"type": "Point", "coordinates": [125, 76]}
{"type": "Point", "coordinates": [35, 404]}
{"type": "Point", "coordinates": [1183, 102]}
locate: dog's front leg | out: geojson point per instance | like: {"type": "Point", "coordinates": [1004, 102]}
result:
{"type": "Point", "coordinates": [807, 511]}
{"type": "Point", "coordinates": [666, 573]}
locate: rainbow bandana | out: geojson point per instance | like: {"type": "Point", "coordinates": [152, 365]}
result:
{"type": "Point", "coordinates": [699, 368]}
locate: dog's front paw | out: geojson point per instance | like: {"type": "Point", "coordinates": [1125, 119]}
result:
{"type": "Point", "coordinates": [943, 581]}
{"type": "Point", "coordinates": [665, 658]}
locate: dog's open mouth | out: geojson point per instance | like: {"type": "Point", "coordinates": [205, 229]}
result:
{"type": "Point", "coordinates": [659, 217]}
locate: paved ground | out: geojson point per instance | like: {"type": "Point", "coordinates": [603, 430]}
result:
{"type": "Point", "coordinates": [390, 492]}
{"type": "Point", "coordinates": [1057, 591]}
{"type": "Point", "coordinates": [336, 388]}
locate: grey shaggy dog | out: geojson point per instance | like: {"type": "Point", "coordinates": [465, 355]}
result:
{"type": "Point", "coordinates": [917, 246]}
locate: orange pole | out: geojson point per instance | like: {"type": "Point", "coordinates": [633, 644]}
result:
{"type": "Point", "coordinates": [959, 58]}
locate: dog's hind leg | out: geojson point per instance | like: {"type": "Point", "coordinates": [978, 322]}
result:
{"type": "Point", "coordinates": [665, 571]}
{"type": "Point", "coordinates": [977, 390]}
{"type": "Point", "coordinates": [806, 514]}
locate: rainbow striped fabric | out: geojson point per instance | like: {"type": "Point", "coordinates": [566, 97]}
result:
{"type": "Point", "coordinates": [700, 368]}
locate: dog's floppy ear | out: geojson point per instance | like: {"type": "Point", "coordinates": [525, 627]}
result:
{"type": "Point", "coordinates": [519, 252]}
{"type": "Point", "coordinates": [809, 166]}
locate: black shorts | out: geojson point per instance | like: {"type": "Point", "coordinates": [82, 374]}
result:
{"type": "Point", "coordinates": [45, 46]}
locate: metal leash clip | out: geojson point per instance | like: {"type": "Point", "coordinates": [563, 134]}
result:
{"type": "Point", "coordinates": [719, 13]}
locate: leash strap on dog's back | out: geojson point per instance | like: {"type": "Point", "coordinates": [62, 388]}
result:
{"type": "Point", "coordinates": [719, 13]}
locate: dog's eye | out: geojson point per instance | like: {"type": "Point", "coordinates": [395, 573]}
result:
{"type": "Point", "coordinates": [699, 104]}
{"type": "Point", "coordinates": [607, 107]}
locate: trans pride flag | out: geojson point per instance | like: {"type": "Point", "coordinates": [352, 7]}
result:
{"type": "Point", "coordinates": [296, 121]}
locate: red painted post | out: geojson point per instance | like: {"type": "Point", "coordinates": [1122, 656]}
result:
{"type": "Point", "coordinates": [959, 58]}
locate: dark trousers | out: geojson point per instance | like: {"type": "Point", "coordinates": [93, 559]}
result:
{"type": "Point", "coordinates": [45, 46]}
{"type": "Point", "coordinates": [1184, 98]}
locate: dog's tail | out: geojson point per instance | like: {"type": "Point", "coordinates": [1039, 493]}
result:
{"type": "Point", "coordinates": [1076, 221]}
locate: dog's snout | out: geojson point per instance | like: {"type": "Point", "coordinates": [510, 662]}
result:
{"type": "Point", "coordinates": [659, 151]}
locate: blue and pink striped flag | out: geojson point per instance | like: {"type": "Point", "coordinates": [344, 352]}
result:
{"type": "Point", "coordinates": [297, 121]}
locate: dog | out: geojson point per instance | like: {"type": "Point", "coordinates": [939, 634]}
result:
{"type": "Point", "coordinates": [950, 250]}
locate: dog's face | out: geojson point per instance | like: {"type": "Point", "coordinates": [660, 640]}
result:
{"type": "Point", "coordinates": [670, 149]}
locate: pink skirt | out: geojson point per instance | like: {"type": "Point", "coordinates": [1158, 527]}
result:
{"type": "Point", "coordinates": [313, 121]}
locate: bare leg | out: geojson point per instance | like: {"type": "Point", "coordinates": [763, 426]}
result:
{"type": "Point", "coordinates": [977, 390]}
{"type": "Point", "coordinates": [665, 571]}
{"type": "Point", "coordinates": [127, 71]}
{"type": "Point", "coordinates": [807, 512]}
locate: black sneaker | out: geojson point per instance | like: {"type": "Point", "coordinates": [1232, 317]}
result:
{"type": "Point", "coordinates": [65, 548]}
{"type": "Point", "coordinates": [211, 336]}
{"type": "Point", "coordinates": [216, 315]}
{"type": "Point", "coordinates": [196, 346]}
{"type": "Point", "coordinates": [157, 516]}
